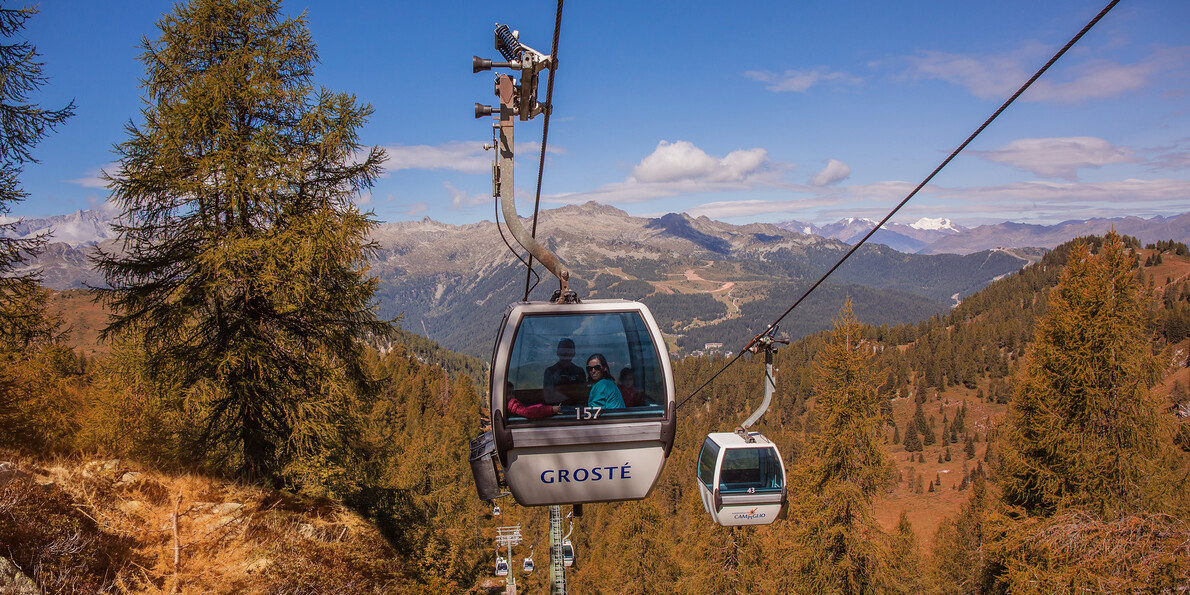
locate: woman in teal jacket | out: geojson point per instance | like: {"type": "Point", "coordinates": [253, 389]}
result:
{"type": "Point", "coordinates": [604, 392]}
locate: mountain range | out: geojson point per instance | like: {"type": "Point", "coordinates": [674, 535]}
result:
{"type": "Point", "coordinates": [924, 236]}
{"type": "Point", "coordinates": [942, 236]}
{"type": "Point", "coordinates": [706, 281]}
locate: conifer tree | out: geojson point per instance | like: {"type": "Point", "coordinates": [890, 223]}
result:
{"type": "Point", "coordinates": [923, 427]}
{"type": "Point", "coordinates": [962, 544]}
{"type": "Point", "coordinates": [1084, 427]}
{"type": "Point", "coordinates": [24, 319]}
{"type": "Point", "coordinates": [912, 439]}
{"type": "Point", "coordinates": [905, 559]}
{"type": "Point", "coordinates": [844, 469]}
{"type": "Point", "coordinates": [242, 271]}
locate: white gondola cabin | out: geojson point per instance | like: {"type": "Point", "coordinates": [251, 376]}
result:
{"type": "Point", "coordinates": [741, 482]}
{"type": "Point", "coordinates": [501, 566]}
{"type": "Point", "coordinates": [566, 431]}
{"type": "Point", "coordinates": [527, 565]}
{"type": "Point", "coordinates": [567, 553]}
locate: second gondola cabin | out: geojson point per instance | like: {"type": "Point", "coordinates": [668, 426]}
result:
{"type": "Point", "coordinates": [568, 557]}
{"type": "Point", "coordinates": [567, 431]}
{"type": "Point", "coordinates": [741, 479]}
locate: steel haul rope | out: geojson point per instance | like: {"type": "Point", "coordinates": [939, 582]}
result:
{"type": "Point", "coordinates": [948, 159]}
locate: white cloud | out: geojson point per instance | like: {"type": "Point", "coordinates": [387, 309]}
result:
{"type": "Point", "coordinates": [1059, 157]}
{"type": "Point", "coordinates": [1173, 193]}
{"type": "Point", "coordinates": [413, 209]}
{"type": "Point", "coordinates": [462, 156]}
{"type": "Point", "coordinates": [682, 168]}
{"type": "Point", "coordinates": [1173, 157]}
{"type": "Point", "coordinates": [751, 208]}
{"type": "Point", "coordinates": [800, 81]}
{"type": "Point", "coordinates": [1039, 201]}
{"type": "Point", "coordinates": [998, 76]}
{"type": "Point", "coordinates": [460, 199]}
{"type": "Point", "coordinates": [891, 191]}
{"type": "Point", "coordinates": [94, 178]}
{"type": "Point", "coordinates": [835, 171]}
{"type": "Point", "coordinates": [986, 77]}
{"type": "Point", "coordinates": [681, 160]}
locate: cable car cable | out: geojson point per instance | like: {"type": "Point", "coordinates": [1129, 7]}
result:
{"type": "Point", "coordinates": [545, 131]}
{"type": "Point", "coordinates": [948, 159]}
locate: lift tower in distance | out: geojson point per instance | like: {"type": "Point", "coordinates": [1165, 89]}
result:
{"type": "Point", "coordinates": [508, 537]}
{"type": "Point", "coordinates": [519, 100]}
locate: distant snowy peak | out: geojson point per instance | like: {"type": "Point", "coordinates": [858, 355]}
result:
{"type": "Point", "coordinates": [936, 224]}
{"type": "Point", "coordinates": [79, 228]}
{"type": "Point", "coordinates": [800, 227]}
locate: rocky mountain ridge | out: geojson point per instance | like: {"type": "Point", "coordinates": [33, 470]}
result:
{"type": "Point", "coordinates": [706, 281]}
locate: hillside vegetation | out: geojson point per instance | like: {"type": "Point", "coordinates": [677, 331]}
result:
{"type": "Point", "coordinates": [252, 421]}
{"type": "Point", "coordinates": [706, 280]}
{"type": "Point", "coordinates": [398, 482]}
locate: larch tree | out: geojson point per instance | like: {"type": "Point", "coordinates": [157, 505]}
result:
{"type": "Point", "coordinates": [844, 469]}
{"type": "Point", "coordinates": [905, 559]}
{"type": "Point", "coordinates": [1085, 431]}
{"type": "Point", "coordinates": [241, 269]}
{"type": "Point", "coordinates": [24, 319]}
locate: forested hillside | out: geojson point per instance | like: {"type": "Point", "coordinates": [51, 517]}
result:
{"type": "Point", "coordinates": [235, 411]}
{"type": "Point", "coordinates": [706, 281]}
{"type": "Point", "coordinates": [944, 388]}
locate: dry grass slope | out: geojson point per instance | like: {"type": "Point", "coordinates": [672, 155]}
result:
{"type": "Point", "coordinates": [111, 526]}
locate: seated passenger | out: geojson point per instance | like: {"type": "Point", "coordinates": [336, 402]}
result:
{"type": "Point", "coordinates": [529, 410]}
{"type": "Point", "coordinates": [627, 384]}
{"type": "Point", "coordinates": [537, 411]}
{"type": "Point", "coordinates": [564, 382]}
{"type": "Point", "coordinates": [604, 392]}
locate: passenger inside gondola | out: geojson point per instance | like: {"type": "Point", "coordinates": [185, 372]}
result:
{"type": "Point", "coordinates": [542, 383]}
{"type": "Point", "coordinates": [564, 383]}
{"type": "Point", "coordinates": [633, 397]}
{"type": "Point", "coordinates": [604, 392]}
{"type": "Point", "coordinates": [529, 410]}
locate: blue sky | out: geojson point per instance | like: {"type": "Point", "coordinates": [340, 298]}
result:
{"type": "Point", "coordinates": [757, 111]}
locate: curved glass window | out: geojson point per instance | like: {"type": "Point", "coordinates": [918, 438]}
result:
{"type": "Point", "coordinates": [751, 470]}
{"type": "Point", "coordinates": [549, 359]}
{"type": "Point", "coordinates": [706, 463]}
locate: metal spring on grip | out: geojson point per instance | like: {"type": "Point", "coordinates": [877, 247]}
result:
{"type": "Point", "coordinates": [507, 44]}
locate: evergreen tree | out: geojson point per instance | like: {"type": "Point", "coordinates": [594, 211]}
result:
{"type": "Point", "coordinates": [844, 469]}
{"type": "Point", "coordinates": [905, 559]}
{"type": "Point", "coordinates": [24, 319]}
{"type": "Point", "coordinates": [1084, 427]}
{"type": "Point", "coordinates": [241, 271]}
{"type": "Point", "coordinates": [928, 437]}
{"type": "Point", "coordinates": [961, 546]}
{"type": "Point", "coordinates": [912, 439]}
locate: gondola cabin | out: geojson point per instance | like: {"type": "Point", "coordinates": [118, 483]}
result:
{"type": "Point", "coordinates": [741, 482]}
{"type": "Point", "coordinates": [582, 401]}
{"type": "Point", "coordinates": [527, 565]}
{"type": "Point", "coordinates": [501, 566]}
{"type": "Point", "coordinates": [567, 553]}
